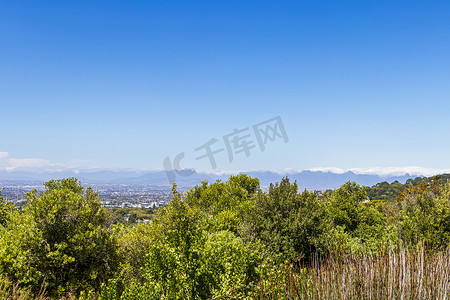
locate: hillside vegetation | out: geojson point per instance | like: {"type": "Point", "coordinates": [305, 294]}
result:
{"type": "Point", "coordinates": [232, 239]}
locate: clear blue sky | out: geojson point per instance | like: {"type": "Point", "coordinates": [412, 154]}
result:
{"type": "Point", "coordinates": [123, 84]}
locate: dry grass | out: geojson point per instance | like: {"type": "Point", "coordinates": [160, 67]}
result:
{"type": "Point", "coordinates": [399, 274]}
{"type": "Point", "coordinates": [395, 274]}
{"type": "Point", "coordinates": [10, 291]}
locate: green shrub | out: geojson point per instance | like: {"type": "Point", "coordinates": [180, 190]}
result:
{"type": "Point", "coordinates": [63, 239]}
{"type": "Point", "coordinates": [289, 223]}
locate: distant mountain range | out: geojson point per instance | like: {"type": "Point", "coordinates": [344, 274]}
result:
{"type": "Point", "coordinates": [311, 180]}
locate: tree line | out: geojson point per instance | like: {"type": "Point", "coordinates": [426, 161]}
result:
{"type": "Point", "coordinates": [217, 240]}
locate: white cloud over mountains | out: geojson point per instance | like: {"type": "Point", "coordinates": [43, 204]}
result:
{"type": "Point", "coordinates": [8, 163]}
{"type": "Point", "coordinates": [380, 171]}
{"type": "Point", "coordinates": [386, 171]}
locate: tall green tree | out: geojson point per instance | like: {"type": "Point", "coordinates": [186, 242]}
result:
{"type": "Point", "coordinates": [63, 239]}
{"type": "Point", "coordinates": [290, 223]}
{"type": "Point", "coordinates": [184, 260]}
{"type": "Point", "coordinates": [424, 215]}
{"type": "Point", "coordinates": [226, 204]}
{"type": "Point", "coordinates": [353, 219]}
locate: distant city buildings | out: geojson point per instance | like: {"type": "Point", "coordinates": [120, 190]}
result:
{"type": "Point", "coordinates": [112, 196]}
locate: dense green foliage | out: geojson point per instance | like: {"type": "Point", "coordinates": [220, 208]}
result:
{"type": "Point", "coordinates": [63, 240]}
{"type": "Point", "coordinates": [289, 223]}
{"type": "Point", "coordinates": [385, 191]}
{"type": "Point", "coordinates": [6, 209]}
{"type": "Point", "coordinates": [423, 214]}
{"type": "Point", "coordinates": [218, 240]}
